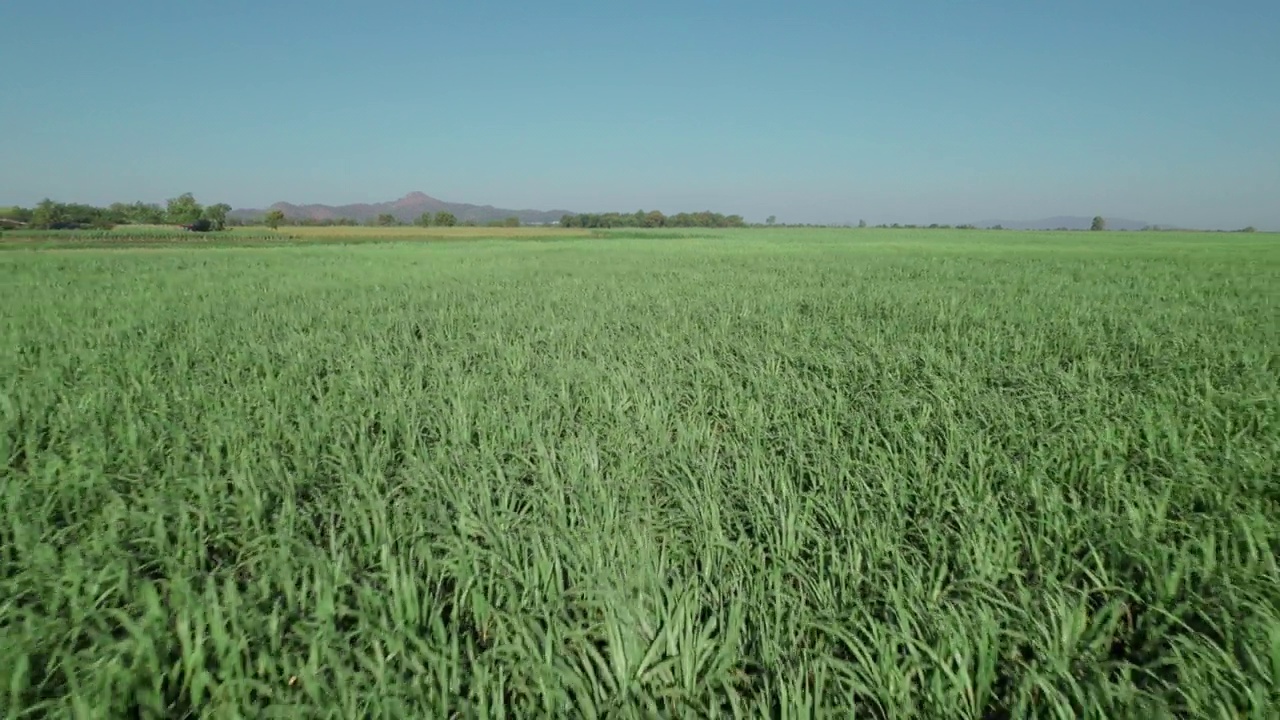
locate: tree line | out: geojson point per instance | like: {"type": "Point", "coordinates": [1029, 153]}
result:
{"type": "Point", "coordinates": [652, 219]}
{"type": "Point", "coordinates": [441, 218]}
{"type": "Point", "coordinates": [276, 218]}
{"type": "Point", "coordinates": [183, 210]}
{"type": "Point", "coordinates": [186, 211]}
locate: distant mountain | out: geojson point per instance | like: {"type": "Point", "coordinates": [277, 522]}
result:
{"type": "Point", "coordinates": [1070, 222]}
{"type": "Point", "coordinates": [406, 209]}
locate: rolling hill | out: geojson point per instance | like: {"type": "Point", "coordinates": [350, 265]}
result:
{"type": "Point", "coordinates": [405, 209]}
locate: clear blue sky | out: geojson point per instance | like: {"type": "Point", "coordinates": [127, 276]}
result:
{"type": "Point", "coordinates": [1165, 111]}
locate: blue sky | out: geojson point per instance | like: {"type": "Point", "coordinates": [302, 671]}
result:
{"type": "Point", "coordinates": [910, 111]}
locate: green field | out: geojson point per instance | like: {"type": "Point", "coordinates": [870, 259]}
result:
{"type": "Point", "coordinates": [136, 236]}
{"type": "Point", "coordinates": [758, 473]}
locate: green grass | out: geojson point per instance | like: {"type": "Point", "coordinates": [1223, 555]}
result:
{"type": "Point", "coordinates": [126, 236]}
{"type": "Point", "coordinates": [769, 473]}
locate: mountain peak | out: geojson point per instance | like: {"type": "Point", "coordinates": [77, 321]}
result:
{"type": "Point", "coordinates": [416, 199]}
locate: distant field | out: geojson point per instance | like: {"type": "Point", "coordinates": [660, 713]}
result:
{"type": "Point", "coordinates": [150, 235]}
{"type": "Point", "coordinates": [948, 240]}
{"type": "Point", "coordinates": [760, 473]}
{"type": "Point", "coordinates": [413, 232]}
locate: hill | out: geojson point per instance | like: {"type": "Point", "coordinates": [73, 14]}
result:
{"type": "Point", "coordinates": [406, 209]}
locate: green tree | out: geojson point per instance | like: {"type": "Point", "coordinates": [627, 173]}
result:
{"type": "Point", "coordinates": [512, 221]}
{"type": "Point", "coordinates": [141, 213]}
{"type": "Point", "coordinates": [444, 218]}
{"type": "Point", "coordinates": [771, 220]}
{"type": "Point", "coordinates": [1099, 224]}
{"type": "Point", "coordinates": [862, 223]}
{"type": "Point", "coordinates": [424, 220]}
{"type": "Point", "coordinates": [118, 212]}
{"type": "Point", "coordinates": [274, 219]}
{"type": "Point", "coordinates": [48, 214]}
{"type": "Point", "coordinates": [183, 210]}
{"type": "Point", "coordinates": [16, 214]}
{"type": "Point", "coordinates": [1249, 229]}
{"type": "Point", "coordinates": [386, 220]}
{"type": "Point", "coordinates": [217, 215]}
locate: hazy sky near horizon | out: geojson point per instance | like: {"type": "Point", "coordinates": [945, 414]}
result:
{"type": "Point", "coordinates": [916, 111]}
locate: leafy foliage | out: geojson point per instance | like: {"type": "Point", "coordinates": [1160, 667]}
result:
{"type": "Point", "coordinates": [651, 219]}
{"type": "Point", "coordinates": [877, 474]}
{"type": "Point", "coordinates": [53, 215]}
{"type": "Point", "coordinates": [216, 215]}
{"type": "Point", "coordinates": [67, 216]}
{"type": "Point", "coordinates": [183, 210]}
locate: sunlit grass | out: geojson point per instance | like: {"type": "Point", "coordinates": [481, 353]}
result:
{"type": "Point", "coordinates": [408, 232]}
{"type": "Point", "coordinates": [781, 474]}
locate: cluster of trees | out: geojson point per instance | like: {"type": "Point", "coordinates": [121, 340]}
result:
{"type": "Point", "coordinates": [317, 222]}
{"type": "Point", "coordinates": [275, 218]}
{"type": "Point", "coordinates": [443, 218]}
{"type": "Point", "coordinates": [652, 219]}
{"type": "Point", "coordinates": [186, 211]}
{"type": "Point", "coordinates": [182, 210]}
{"type": "Point", "coordinates": [931, 226]}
